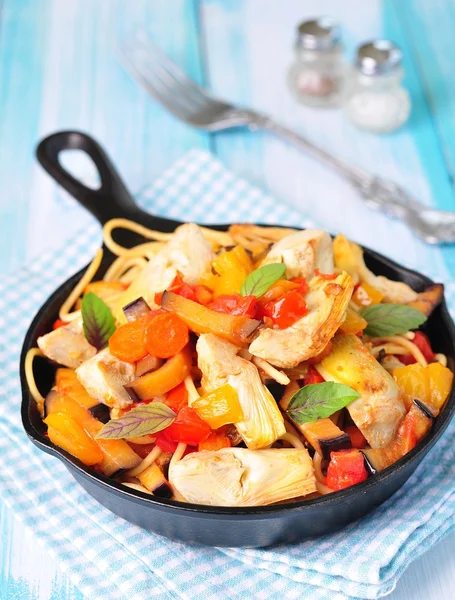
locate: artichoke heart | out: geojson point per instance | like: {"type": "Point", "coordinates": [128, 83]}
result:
{"type": "Point", "coordinates": [379, 410]}
{"type": "Point", "coordinates": [349, 256]}
{"type": "Point", "coordinates": [327, 301]}
{"type": "Point", "coordinates": [303, 252]}
{"type": "Point", "coordinates": [263, 423]}
{"type": "Point", "coordinates": [187, 252]}
{"type": "Point", "coordinates": [242, 477]}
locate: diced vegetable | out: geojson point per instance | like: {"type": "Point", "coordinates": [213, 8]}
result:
{"type": "Point", "coordinates": [165, 335]}
{"type": "Point", "coordinates": [154, 480]}
{"type": "Point", "coordinates": [324, 436]}
{"type": "Point", "coordinates": [356, 436]}
{"type": "Point", "coordinates": [163, 379]}
{"type": "Point", "coordinates": [366, 295]}
{"type": "Point", "coordinates": [136, 309]}
{"type": "Point", "coordinates": [314, 360]}
{"type": "Point", "coordinates": [147, 364]}
{"type": "Point", "coordinates": [241, 477]}
{"type": "Point", "coordinates": [353, 322]}
{"type": "Point", "coordinates": [312, 376]}
{"type": "Point", "coordinates": [380, 409]}
{"type": "Point", "coordinates": [59, 323]}
{"type": "Point", "coordinates": [188, 428]}
{"type": "Point", "coordinates": [412, 429]}
{"type": "Point", "coordinates": [431, 384]}
{"type": "Point", "coordinates": [116, 454]}
{"type": "Point", "coordinates": [219, 407]}
{"type": "Point", "coordinates": [287, 310]}
{"type": "Point", "coordinates": [231, 267]}
{"type": "Point", "coordinates": [177, 398]}
{"type": "Point", "coordinates": [67, 383]}
{"type": "Point", "coordinates": [346, 468]}
{"type": "Point", "coordinates": [427, 301]}
{"type": "Point", "coordinates": [423, 344]}
{"type": "Point", "coordinates": [127, 342]}
{"type": "Point", "coordinates": [440, 381]}
{"type": "Point", "coordinates": [100, 412]}
{"type": "Point", "coordinates": [65, 432]}
{"type": "Point", "coordinates": [200, 319]}
{"type": "Point", "coordinates": [235, 304]}
{"type": "Point", "coordinates": [215, 441]}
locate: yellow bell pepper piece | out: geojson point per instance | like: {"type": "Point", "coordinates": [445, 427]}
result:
{"type": "Point", "coordinates": [219, 407]}
{"type": "Point", "coordinates": [367, 295]}
{"type": "Point", "coordinates": [353, 322]}
{"type": "Point", "coordinates": [431, 384]}
{"type": "Point", "coordinates": [232, 268]}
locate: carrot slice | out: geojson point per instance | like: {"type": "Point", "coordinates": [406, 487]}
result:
{"type": "Point", "coordinates": [127, 342]}
{"type": "Point", "coordinates": [165, 335]}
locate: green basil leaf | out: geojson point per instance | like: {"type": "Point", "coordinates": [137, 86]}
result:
{"type": "Point", "coordinates": [142, 420]}
{"type": "Point", "coordinates": [390, 319]}
{"type": "Point", "coordinates": [319, 400]}
{"type": "Point", "coordinates": [97, 321]}
{"type": "Point", "coordinates": [259, 281]}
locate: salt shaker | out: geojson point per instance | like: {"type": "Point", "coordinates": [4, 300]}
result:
{"type": "Point", "coordinates": [375, 99]}
{"type": "Point", "coordinates": [316, 76]}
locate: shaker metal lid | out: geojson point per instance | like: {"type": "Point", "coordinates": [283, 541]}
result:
{"type": "Point", "coordinates": [322, 33]}
{"type": "Point", "coordinates": [377, 57]}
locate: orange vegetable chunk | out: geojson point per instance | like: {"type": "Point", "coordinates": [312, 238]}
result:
{"type": "Point", "coordinates": [440, 380]}
{"type": "Point", "coordinates": [127, 342]}
{"type": "Point", "coordinates": [219, 407]}
{"type": "Point", "coordinates": [66, 433]}
{"type": "Point", "coordinates": [165, 335]}
{"type": "Point", "coordinates": [367, 295]}
{"type": "Point", "coordinates": [215, 441]}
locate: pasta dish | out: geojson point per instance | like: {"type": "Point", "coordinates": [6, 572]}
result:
{"type": "Point", "coordinates": [240, 368]}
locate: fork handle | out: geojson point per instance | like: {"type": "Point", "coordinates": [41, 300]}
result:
{"type": "Point", "coordinates": [355, 175]}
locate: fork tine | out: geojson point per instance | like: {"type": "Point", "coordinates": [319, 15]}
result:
{"type": "Point", "coordinates": [153, 74]}
{"type": "Point", "coordinates": [187, 85]}
{"type": "Point", "coordinates": [151, 89]}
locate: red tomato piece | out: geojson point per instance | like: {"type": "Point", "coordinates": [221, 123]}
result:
{"type": "Point", "coordinates": [177, 398]}
{"type": "Point", "coordinates": [188, 428]}
{"type": "Point", "coordinates": [312, 376]}
{"type": "Point", "coordinates": [357, 438]}
{"type": "Point", "coordinates": [346, 468]}
{"type": "Point", "coordinates": [58, 323]}
{"type": "Point", "coordinates": [287, 310]}
{"type": "Point", "coordinates": [235, 304]}
{"type": "Point", "coordinates": [301, 282]}
{"type": "Point", "coordinates": [423, 344]}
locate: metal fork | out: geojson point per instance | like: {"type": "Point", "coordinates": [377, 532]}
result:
{"type": "Point", "coordinates": [186, 100]}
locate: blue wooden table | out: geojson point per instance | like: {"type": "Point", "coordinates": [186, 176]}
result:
{"type": "Point", "coordinates": [58, 71]}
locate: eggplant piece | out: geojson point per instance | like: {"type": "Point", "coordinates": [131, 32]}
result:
{"type": "Point", "coordinates": [368, 465]}
{"type": "Point", "coordinates": [147, 364]}
{"type": "Point", "coordinates": [136, 309]}
{"type": "Point", "coordinates": [424, 408]}
{"type": "Point", "coordinates": [325, 437]}
{"type": "Point", "coordinates": [154, 480]}
{"type": "Point", "coordinates": [101, 412]}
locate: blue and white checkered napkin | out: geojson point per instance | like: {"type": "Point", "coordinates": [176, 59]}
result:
{"type": "Point", "coordinates": [110, 559]}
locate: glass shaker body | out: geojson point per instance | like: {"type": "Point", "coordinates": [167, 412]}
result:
{"type": "Point", "coordinates": [375, 99]}
{"type": "Point", "coordinates": [316, 77]}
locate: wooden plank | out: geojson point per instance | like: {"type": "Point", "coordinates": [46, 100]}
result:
{"type": "Point", "coordinates": [59, 71]}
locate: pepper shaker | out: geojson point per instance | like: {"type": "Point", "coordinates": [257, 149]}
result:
{"type": "Point", "coordinates": [316, 76]}
{"type": "Point", "coordinates": [375, 100]}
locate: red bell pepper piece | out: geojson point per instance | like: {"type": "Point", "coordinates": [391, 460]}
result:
{"type": "Point", "coordinates": [312, 377]}
{"type": "Point", "coordinates": [346, 468]}
{"type": "Point", "coordinates": [302, 283]}
{"type": "Point", "coordinates": [287, 310]}
{"type": "Point", "coordinates": [177, 398]}
{"type": "Point", "coordinates": [188, 428]}
{"type": "Point", "coordinates": [357, 438]}
{"type": "Point", "coordinates": [423, 344]}
{"type": "Point", "coordinates": [235, 304]}
{"type": "Point", "coordinates": [58, 323]}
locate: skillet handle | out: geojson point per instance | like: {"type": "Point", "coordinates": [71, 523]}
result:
{"type": "Point", "coordinates": [112, 199]}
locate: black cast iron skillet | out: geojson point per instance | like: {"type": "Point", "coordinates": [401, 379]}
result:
{"type": "Point", "coordinates": [249, 527]}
